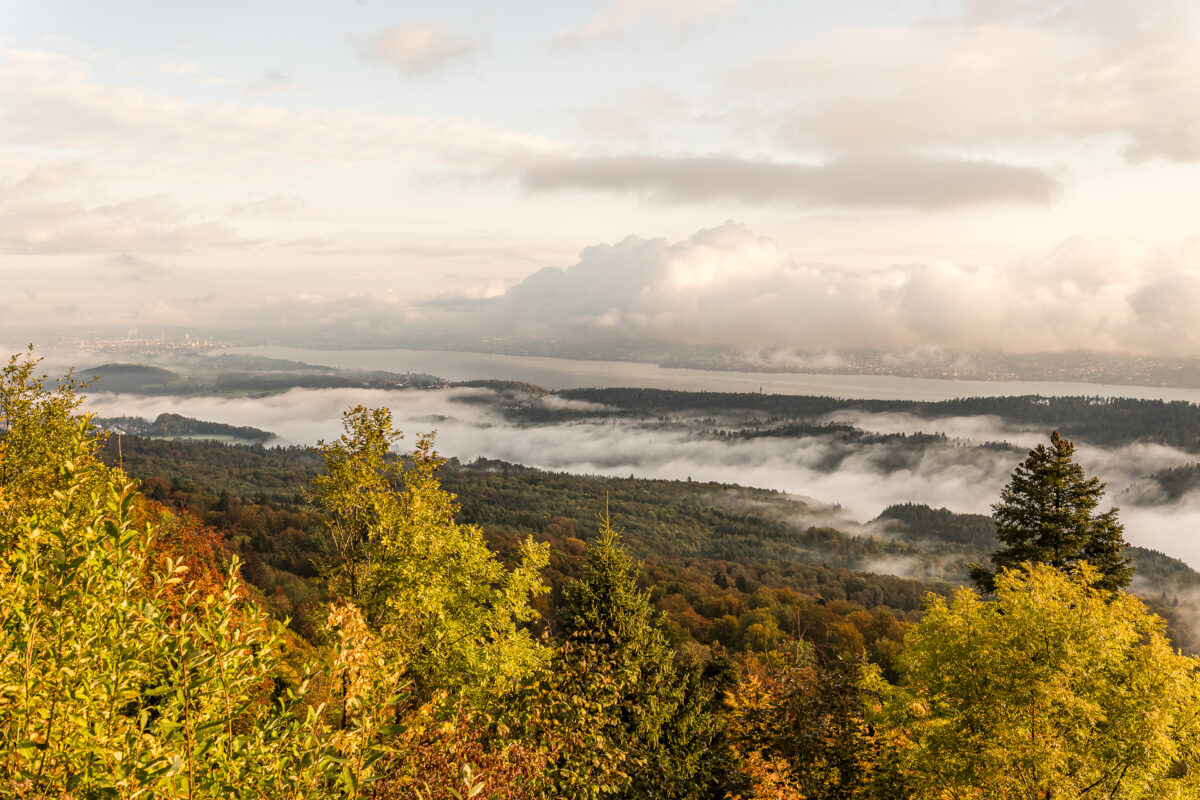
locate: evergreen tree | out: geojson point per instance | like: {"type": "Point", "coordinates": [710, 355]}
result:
{"type": "Point", "coordinates": [1046, 515]}
{"type": "Point", "coordinates": [657, 713]}
{"type": "Point", "coordinates": [605, 606]}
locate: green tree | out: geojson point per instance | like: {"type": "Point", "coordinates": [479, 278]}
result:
{"type": "Point", "coordinates": [1057, 689]}
{"type": "Point", "coordinates": [40, 427]}
{"type": "Point", "coordinates": [121, 679]}
{"type": "Point", "coordinates": [1046, 515]}
{"type": "Point", "coordinates": [436, 595]}
{"type": "Point", "coordinates": [641, 720]}
{"type": "Point", "coordinates": [358, 502]}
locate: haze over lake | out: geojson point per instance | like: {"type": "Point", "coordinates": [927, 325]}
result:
{"type": "Point", "coordinates": [564, 373]}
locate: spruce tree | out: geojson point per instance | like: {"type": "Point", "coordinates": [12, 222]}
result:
{"type": "Point", "coordinates": [657, 711]}
{"type": "Point", "coordinates": [605, 606]}
{"type": "Point", "coordinates": [1046, 515]}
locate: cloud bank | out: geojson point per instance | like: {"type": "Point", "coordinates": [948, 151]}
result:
{"type": "Point", "coordinates": [994, 72]}
{"type": "Point", "coordinates": [960, 478]}
{"type": "Point", "coordinates": [726, 285]}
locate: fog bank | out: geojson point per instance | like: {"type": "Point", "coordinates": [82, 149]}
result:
{"type": "Point", "coordinates": [959, 476]}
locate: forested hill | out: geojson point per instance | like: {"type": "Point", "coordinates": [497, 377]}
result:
{"type": "Point", "coordinates": [176, 426]}
{"type": "Point", "coordinates": [715, 555]}
{"type": "Point", "coordinates": [1099, 420]}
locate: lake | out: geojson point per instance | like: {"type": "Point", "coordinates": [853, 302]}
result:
{"type": "Point", "coordinates": [565, 373]}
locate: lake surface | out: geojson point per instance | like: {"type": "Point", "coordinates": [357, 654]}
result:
{"type": "Point", "coordinates": [565, 373]}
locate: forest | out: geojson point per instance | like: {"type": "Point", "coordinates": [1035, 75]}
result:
{"type": "Point", "coordinates": [200, 620]}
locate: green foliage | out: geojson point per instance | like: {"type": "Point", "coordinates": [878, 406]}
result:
{"type": "Point", "coordinates": [39, 427]}
{"type": "Point", "coordinates": [934, 526]}
{"type": "Point", "coordinates": [605, 606]}
{"type": "Point", "coordinates": [429, 586]}
{"type": "Point", "coordinates": [125, 673]}
{"type": "Point", "coordinates": [630, 717]}
{"type": "Point", "coordinates": [709, 549]}
{"type": "Point", "coordinates": [110, 686]}
{"type": "Point", "coordinates": [1057, 688]}
{"type": "Point", "coordinates": [120, 676]}
{"type": "Point", "coordinates": [1046, 516]}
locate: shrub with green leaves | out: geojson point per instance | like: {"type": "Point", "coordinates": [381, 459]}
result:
{"type": "Point", "coordinates": [120, 679]}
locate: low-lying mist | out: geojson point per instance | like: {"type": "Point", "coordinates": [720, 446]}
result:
{"type": "Point", "coordinates": [866, 477]}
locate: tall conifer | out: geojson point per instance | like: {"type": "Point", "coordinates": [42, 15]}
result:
{"type": "Point", "coordinates": [1046, 515]}
{"type": "Point", "coordinates": [656, 708]}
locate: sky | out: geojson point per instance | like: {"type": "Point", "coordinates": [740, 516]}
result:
{"type": "Point", "coordinates": [974, 174]}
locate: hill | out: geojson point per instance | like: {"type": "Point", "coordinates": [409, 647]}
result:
{"type": "Point", "coordinates": [176, 426]}
{"type": "Point", "coordinates": [717, 558]}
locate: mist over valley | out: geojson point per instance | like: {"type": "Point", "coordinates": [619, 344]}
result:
{"type": "Point", "coordinates": [842, 455]}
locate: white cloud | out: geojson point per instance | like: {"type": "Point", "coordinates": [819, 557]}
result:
{"type": "Point", "coordinates": [136, 268]}
{"type": "Point", "coordinates": [40, 214]}
{"type": "Point", "coordinates": [274, 81]}
{"type": "Point", "coordinates": [48, 101]}
{"type": "Point", "coordinates": [276, 205]}
{"type": "Point", "coordinates": [70, 226]}
{"type": "Point", "coordinates": [179, 69]}
{"type": "Point", "coordinates": [727, 286]}
{"type": "Point", "coordinates": [419, 48]}
{"type": "Point", "coordinates": [1003, 73]}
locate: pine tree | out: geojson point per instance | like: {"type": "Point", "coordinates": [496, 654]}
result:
{"type": "Point", "coordinates": [1046, 515]}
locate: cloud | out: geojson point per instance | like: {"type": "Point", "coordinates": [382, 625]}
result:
{"type": "Point", "coordinates": [71, 226]}
{"type": "Point", "coordinates": [617, 15]}
{"type": "Point", "coordinates": [277, 205]}
{"type": "Point", "coordinates": [727, 286]}
{"type": "Point", "coordinates": [50, 102]}
{"type": "Point", "coordinates": [901, 180]}
{"type": "Point", "coordinates": [135, 267]}
{"type": "Point", "coordinates": [996, 73]}
{"type": "Point", "coordinates": [187, 68]}
{"type": "Point", "coordinates": [419, 48]}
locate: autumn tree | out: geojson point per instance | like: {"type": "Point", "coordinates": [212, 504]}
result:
{"type": "Point", "coordinates": [40, 426]}
{"type": "Point", "coordinates": [803, 714]}
{"type": "Point", "coordinates": [428, 586]}
{"type": "Point", "coordinates": [1046, 515]}
{"type": "Point", "coordinates": [119, 675]}
{"type": "Point", "coordinates": [1058, 688]}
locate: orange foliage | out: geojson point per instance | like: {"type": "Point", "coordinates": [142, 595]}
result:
{"type": "Point", "coordinates": [184, 539]}
{"type": "Point", "coordinates": [770, 779]}
{"type": "Point", "coordinates": [447, 761]}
